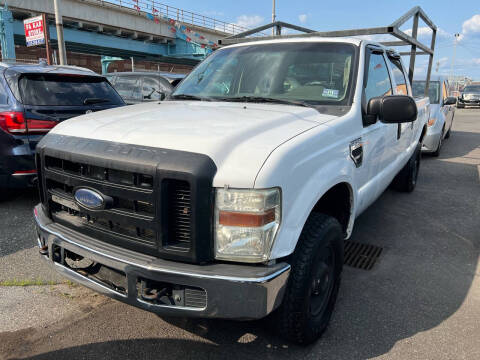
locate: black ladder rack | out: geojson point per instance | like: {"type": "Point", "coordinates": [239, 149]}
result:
{"type": "Point", "coordinates": [392, 29]}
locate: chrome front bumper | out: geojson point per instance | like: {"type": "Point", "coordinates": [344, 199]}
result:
{"type": "Point", "coordinates": [232, 291]}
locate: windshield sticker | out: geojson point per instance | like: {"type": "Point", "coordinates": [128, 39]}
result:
{"type": "Point", "coordinates": [331, 93]}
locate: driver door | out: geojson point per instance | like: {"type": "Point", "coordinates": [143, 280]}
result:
{"type": "Point", "coordinates": [404, 131]}
{"type": "Point", "coordinates": [378, 139]}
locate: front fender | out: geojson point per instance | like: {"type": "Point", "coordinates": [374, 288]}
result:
{"type": "Point", "coordinates": [432, 137]}
{"type": "Point", "coordinates": [300, 210]}
{"type": "Point", "coordinates": [306, 171]}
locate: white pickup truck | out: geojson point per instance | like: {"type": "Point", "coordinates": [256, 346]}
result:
{"type": "Point", "coordinates": [232, 199]}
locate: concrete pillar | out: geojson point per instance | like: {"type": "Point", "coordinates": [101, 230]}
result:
{"type": "Point", "coordinates": [106, 61]}
{"type": "Point", "coordinates": [6, 34]}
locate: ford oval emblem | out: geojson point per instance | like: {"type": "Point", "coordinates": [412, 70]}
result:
{"type": "Point", "coordinates": [89, 199]}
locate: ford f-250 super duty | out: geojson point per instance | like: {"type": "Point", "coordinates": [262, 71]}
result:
{"type": "Point", "coordinates": [233, 198]}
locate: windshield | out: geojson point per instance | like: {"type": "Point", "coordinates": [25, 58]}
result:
{"type": "Point", "coordinates": [313, 73]}
{"type": "Point", "coordinates": [472, 88]}
{"type": "Point", "coordinates": [418, 88]}
{"type": "Point", "coordinates": [66, 90]}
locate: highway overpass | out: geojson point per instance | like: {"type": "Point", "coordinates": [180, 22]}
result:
{"type": "Point", "coordinates": [127, 28]}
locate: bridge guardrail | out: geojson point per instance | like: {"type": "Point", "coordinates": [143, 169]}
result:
{"type": "Point", "coordinates": [160, 10]}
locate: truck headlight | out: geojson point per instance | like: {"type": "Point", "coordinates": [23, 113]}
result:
{"type": "Point", "coordinates": [246, 222]}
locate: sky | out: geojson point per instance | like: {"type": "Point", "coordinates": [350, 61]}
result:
{"type": "Point", "coordinates": [462, 17]}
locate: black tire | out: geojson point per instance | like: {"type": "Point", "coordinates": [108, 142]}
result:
{"type": "Point", "coordinates": [406, 179]}
{"type": "Point", "coordinates": [447, 135]}
{"type": "Point", "coordinates": [314, 281]}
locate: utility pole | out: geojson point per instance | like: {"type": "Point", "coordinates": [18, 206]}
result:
{"type": "Point", "coordinates": [61, 42]}
{"type": "Point", "coordinates": [47, 39]}
{"type": "Point", "coordinates": [274, 16]}
{"type": "Point", "coordinates": [453, 58]}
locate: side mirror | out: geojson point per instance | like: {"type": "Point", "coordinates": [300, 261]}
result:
{"type": "Point", "coordinates": [451, 100]}
{"type": "Point", "coordinates": [392, 109]}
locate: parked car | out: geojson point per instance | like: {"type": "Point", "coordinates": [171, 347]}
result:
{"type": "Point", "coordinates": [442, 112]}
{"type": "Point", "coordinates": [138, 87]}
{"type": "Point", "coordinates": [470, 96]}
{"type": "Point", "coordinates": [34, 99]}
{"type": "Point", "coordinates": [233, 198]}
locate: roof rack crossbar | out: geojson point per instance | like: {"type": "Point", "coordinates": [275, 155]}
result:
{"type": "Point", "coordinates": [239, 38]}
{"type": "Point", "coordinates": [276, 25]}
{"type": "Point", "coordinates": [394, 43]}
{"type": "Point", "coordinates": [408, 53]}
{"type": "Point", "coordinates": [412, 12]}
{"type": "Point", "coordinates": [394, 29]}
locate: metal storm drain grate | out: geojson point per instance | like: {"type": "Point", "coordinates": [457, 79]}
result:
{"type": "Point", "coordinates": [361, 256]}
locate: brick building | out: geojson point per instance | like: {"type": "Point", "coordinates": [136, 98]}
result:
{"type": "Point", "coordinates": [33, 54]}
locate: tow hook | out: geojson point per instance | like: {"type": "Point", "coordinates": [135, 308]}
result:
{"type": "Point", "coordinates": [43, 250]}
{"type": "Point", "coordinates": [152, 294]}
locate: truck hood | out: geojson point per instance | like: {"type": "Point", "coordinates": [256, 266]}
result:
{"type": "Point", "coordinates": [238, 137]}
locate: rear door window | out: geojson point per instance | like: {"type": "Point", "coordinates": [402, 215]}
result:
{"type": "Point", "coordinates": [153, 87]}
{"type": "Point", "coordinates": [399, 77]}
{"type": "Point", "coordinates": [66, 90]}
{"type": "Point", "coordinates": [129, 87]}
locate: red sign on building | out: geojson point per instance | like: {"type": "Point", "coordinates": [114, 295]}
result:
{"type": "Point", "coordinates": [34, 31]}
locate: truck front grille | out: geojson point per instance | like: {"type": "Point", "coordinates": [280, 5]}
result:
{"type": "Point", "coordinates": [100, 173]}
{"type": "Point", "coordinates": [156, 201]}
{"type": "Point", "coordinates": [130, 221]}
{"type": "Point", "coordinates": [179, 213]}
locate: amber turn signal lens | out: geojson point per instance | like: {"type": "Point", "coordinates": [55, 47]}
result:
{"type": "Point", "coordinates": [431, 121]}
{"type": "Point", "coordinates": [230, 218]}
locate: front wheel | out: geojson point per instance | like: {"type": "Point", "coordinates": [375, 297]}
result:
{"type": "Point", "coordinates": [439, 146]}
{"type": "Point", "coordinates": [447, 135]}
{"type": "Point", "coordinates": [406, 179]}
{"type": "Point", "coordinates": [314, 281]}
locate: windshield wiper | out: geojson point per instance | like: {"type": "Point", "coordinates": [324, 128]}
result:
{"type": "Point", "coordinates": [89, 101]}
{"type": "Point", "coordinates": [265, 99]}
{"type": "Point", "coordinates": [189, 97]}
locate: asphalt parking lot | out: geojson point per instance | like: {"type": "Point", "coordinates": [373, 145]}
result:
{"type": "Point", "coordinates": [420, 301]}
